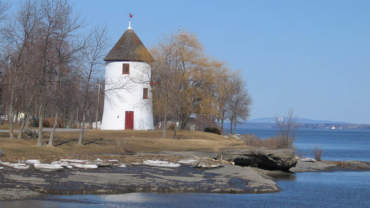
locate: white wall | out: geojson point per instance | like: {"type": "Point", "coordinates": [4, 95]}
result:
{"type": "Point", "coordinates": [125, 93]}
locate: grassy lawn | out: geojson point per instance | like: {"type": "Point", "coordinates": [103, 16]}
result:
{"type": "Point", "coordinates": [113, 145]}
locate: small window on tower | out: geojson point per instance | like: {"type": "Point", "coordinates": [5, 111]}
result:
{"type": "Point", "coordinates": [145, 93]}
{"type": "Point", "coordinates": [125, 69]}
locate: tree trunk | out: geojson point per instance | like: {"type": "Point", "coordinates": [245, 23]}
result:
{"type": "Point", "coordinates": [235, 123]}
{"type": "Point", "coordinates": [175, 131]}
{"type": "Point", "coordinates": [11, 115]}
{"type": "Point", "coordinates": [82, 129]}
{"type": "Point", "coordinates": [96, 119]}
{"type": "Point", "coordinates": [41, 119]}
{"type": "Point", "coordinates": [64, 119]}
{"type": "Point", "coordinates": [11, 122]}
{"type": "Point", "coordinates": [164, 126]}
{"type": "Point", "coordinates": [77, 118]}
{"type": "Point", "coordinates": [222, 121]}
{"type": "Point", "coordinates": [97, 108]}
{"type": "Point", "coordinates": [231, 125]}
{"type": "Point", "coordinates": [71, 120]}
{"type": "Point", "coordinates": [51, 138]}
{"type": "Point", "coordinates": [17, 118]}
{"type": "Point", "coordinates": [23, 126]}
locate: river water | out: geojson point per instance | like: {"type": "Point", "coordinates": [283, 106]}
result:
{"type": "Point", "coordinates": [324, 189]}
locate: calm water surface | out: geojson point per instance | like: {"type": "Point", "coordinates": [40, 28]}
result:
{"type": "Point", "coordinates": [326, 189]}
{"type": "Point", "coordinates": [336, 144]}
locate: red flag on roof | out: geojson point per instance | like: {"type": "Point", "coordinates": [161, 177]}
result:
{"type": "Point", "coordinates": [131, 15]}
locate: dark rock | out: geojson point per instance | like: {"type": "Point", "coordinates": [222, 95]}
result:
{"type": "Point", "coordinates": [281, 159]}
{"type": "Point", "coordinates": [1, 153]}
{"type": "Point", "coordinates": [354, 165]}
{"type": "Point", "coordinates": [102, 164]}
{"type": "Point", "coordinates": [309, 166]}
{"type": "Point", "coordinates": [305, 166]}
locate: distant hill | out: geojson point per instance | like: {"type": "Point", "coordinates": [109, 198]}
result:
{"type": "Point", "coordinates": [270, 120]}
{"type": "Point", "coordinates": [303, 123]}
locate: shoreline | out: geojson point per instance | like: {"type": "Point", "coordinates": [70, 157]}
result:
{"type": "Point", "coordinates": [32, 183]}
{"type": "Point", "coordinates": [25, 184]}
{"type": "Point", "coordinates": [220, 164]}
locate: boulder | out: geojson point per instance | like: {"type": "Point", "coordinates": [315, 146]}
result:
{"type": "Point", "coordinates": [280, 159]}
{"type": "Point", "coordinates": [311, 166]}
{"type": "Point", "coordinates": [355, 165]}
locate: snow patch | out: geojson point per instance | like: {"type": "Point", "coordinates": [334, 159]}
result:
{"type": "Point", "coordinates": [160, 163]}
{"type": "Point", "coordinates": [188, 161]}
{"type": "Point", "coordinates": [307, 159]}
{"type": "Point", "coordinates": [84, 166]}
{"type": "Point", "coordinates": [20, 166]}
{"type": "Point", "coordinates": [73, 161]}
{"type": "Point", "coordinates": [47, 167]}
{"type": "Point", "coordinates": [32, 162]}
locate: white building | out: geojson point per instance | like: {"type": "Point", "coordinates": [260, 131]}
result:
{"type": "Point", "coordinates": [128, 99]}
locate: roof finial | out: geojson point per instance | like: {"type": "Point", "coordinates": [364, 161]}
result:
{"type": "Point", "coordinates": [129, 22]}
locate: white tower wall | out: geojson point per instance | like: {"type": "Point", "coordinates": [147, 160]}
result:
{"type": "Point", "coordinates": [124, 92]}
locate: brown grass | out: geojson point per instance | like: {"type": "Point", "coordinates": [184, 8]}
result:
{"type": "Point", "coordinates": [276, 142]}
{"type": "Point", "coordinates": [112, 144]}
{"type": "Point", "coordinates": [6, 125]}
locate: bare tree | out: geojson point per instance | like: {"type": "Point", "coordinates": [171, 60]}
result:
{"type": "Point", "coordinates": [286, 129]}
{"type": "Point", "coordinates": [238, 105]}
{"type": "Point", "coordinates": [223, 87]}
{"type": "Point", "coordinates": [20, 37]}
{"type": "Point", "coordinates": [3, 10]}
{"type": "Point", "coordinates": [92, 57]}
{"type": "Point", "coordinates": [42, 63]}
{"type": "Point", "coordinates": [161, 83]}
{"type": "Point", "coordinates": [97, 108]}
{"type": "Point", "coordinates": [66, 27]}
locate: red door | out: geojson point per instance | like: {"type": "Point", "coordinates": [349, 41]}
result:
{"type": "Point", "coordinates": [129, 120]}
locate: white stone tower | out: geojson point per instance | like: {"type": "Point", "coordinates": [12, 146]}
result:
{"type": "Point", "coordinates": [128, 98]}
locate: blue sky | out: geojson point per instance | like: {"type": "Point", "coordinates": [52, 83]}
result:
{"type": "Point", "coordinates": [309, 56]}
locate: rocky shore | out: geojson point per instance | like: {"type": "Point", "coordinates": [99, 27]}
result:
{"type": "Point", "coordinates": [315, 166]}
{"type": "Point", "coordinates": [20, 184]}
{"type": "Point", "coordinates": [231, 171]}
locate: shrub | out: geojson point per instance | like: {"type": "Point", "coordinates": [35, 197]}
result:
{"type": "Point", "coordinates": [272, 143]}
{"type": "Point", "coordinates": [46, 123]}
{"type": "Point", "coordinates": [284, 141]}
{"type": "Point", "coordinates": [49, 122]}
{"type": "Point", "coordinates": [317, 153]}
{"type": "Point", "coordinates": [172, 126]}
{"type": "Point", "coordinates": [214, 130]}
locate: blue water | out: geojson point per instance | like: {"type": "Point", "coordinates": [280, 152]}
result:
{"type": "Point", "coordinates": [325, 189]}
{"type": "Point", "coordinates": [336, 144]}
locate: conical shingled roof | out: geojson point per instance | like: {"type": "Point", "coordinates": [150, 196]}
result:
{"type": "Point", "coordinates": [129, 48]}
